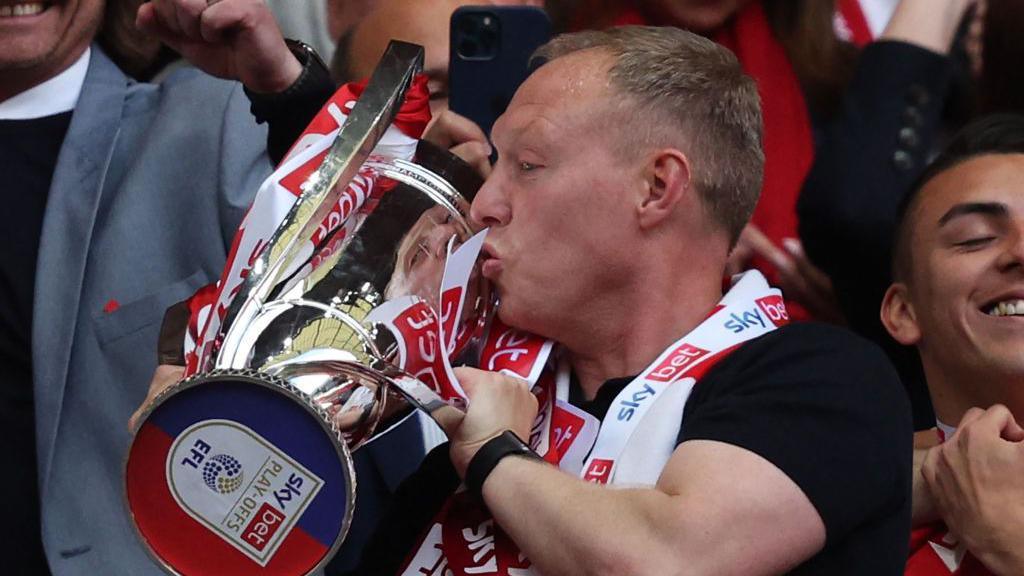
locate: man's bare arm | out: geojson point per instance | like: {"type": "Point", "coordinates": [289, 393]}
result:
{"type": "Point", "coordinates": [717, 509]}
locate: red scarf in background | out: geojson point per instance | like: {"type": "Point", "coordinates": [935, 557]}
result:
{"type": "Point", "coordinates": [851, 17]}
{"type": "Point", "coordinates": [788, 139]}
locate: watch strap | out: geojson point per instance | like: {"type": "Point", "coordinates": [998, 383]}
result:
{"type": "Point", "coordinates": [488, 456]}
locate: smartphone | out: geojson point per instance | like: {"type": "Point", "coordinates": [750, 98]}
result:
{"type": "Point", "coordinates": [489, 57]}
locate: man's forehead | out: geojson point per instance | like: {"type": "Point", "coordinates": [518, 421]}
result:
{"type": "Point", "coordinates": [991, 178]}
{"type": "Point", "coordinates": [577, 77]}
{"type": "Point", "coordinates": [561, 95]}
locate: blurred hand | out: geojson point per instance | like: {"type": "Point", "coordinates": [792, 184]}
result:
{"type": "Point", "coordinates": [233, 39]}
{"type": "Point", "coordinates": [164, 376]}
{"type": "Point", "coordinates": [931, 24]}
{"type": "Point", "coordinates": [977, 479]}
{"type": "Point", "coordinates": [798, 278]}
{"type": "Point", "coordinates": [462, 137]}
{"type": "Point", "coordinates": [496, 403]}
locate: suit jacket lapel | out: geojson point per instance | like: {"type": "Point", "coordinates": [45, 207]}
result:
{"type": "Point", "coordinates": [78, 182]}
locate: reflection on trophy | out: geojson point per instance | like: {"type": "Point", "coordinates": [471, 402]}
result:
{"type": "Point", "coordinates": [336, 334]}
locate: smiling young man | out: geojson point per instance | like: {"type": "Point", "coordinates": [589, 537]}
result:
{"type": "Point", "coordinates": [959, 297]}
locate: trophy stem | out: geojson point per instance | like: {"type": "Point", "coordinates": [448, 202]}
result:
{"type": "Point", "coordinates": [373, 112]}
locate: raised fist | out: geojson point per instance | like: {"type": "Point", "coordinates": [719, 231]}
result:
{"type": "Point", "coordinates": [233, 39]}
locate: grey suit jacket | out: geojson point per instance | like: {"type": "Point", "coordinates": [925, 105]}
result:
{"type": "Point", "coordinates": [150, 185]}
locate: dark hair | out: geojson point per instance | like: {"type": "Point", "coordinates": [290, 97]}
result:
{"type": "Point", "coordinates": [823, 63]}
{"type": "Point", "coordinates": [995, 134]}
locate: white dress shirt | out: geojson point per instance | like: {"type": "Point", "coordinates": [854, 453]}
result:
{"type": "Point", "coordinates": [56, 95]}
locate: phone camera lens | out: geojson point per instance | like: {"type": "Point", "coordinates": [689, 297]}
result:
{"type": "Point", "coordinates": [468, 25]}
{"type": "Point", "coordinates": [469, 48]}
{"type": "Point", "coordinates": [477, 36]}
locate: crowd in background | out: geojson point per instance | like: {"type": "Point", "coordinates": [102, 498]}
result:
{"type": "Point", "coordinates": [858, 97]}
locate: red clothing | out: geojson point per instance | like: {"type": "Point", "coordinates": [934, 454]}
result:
{"type": "Point", "coordinates": [788, 141]}
{"type": "Point", "coordinates": [934, 552]}
{"type": "Point", "coordinates": [852, 17]}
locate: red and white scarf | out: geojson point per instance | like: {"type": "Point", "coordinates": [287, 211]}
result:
{"type": "Point", "coordinates": [630, 447]}
{"type": "Point", "coordinates": [279, 192]}
{"type": "Point", "coordinates": [428, 339]}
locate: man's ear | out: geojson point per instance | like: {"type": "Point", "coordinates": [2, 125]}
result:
{"type": "Point", "coordinates": [898, 315]}
{"type": "Point", "coordinates": [667, 179]}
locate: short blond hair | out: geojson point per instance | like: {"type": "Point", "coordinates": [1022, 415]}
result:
{"type": "Point", "coordinates": [690, 93]}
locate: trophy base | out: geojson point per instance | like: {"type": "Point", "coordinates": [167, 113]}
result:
{"type": "Point", "coordinates": [238, 472]}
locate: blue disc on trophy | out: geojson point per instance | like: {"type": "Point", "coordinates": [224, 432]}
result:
{"type": "Point", "coordinates": [237, 472]}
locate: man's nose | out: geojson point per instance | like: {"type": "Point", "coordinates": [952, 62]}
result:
{"type": "Point", "coordinates": [1013, 256]}
{"type": "Point", "coordinates": [490, 207]}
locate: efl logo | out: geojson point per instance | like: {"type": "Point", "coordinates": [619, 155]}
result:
{"type": "Point", "coordinates": [208, 470]}
{"type": "Point", "coordinates": [775, 308]}
{"type": "Point", "coordinates": [677, 363]}
{"type": "Point", "coordinates": [599, 471]}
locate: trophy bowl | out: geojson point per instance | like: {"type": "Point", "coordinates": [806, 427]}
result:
{"type": "Point", "coordinates": [246, 467]}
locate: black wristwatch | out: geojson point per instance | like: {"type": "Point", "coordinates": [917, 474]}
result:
{"type": "Point", "coordinates": [492, 452]}
{"type": "Point", "coordinates": [313, 77]}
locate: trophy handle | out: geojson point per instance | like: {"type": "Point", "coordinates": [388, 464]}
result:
{"type": "Point", "coordinates": [424, 398]}
{"type": "Point", "coordinates": [372, 114]}
{"type": "Point", "coordinates": [361, 401]}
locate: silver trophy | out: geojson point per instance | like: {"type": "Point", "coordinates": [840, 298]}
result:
{"type": "Point", "coordinates": [247, 466]}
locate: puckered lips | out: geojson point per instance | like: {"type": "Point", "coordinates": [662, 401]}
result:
{"type": "Point", "coordinates": [491, 264]}
{"type": "Point", "coordinates": [10, 10]}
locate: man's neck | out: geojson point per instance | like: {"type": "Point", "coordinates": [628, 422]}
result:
{"type": "Point", "coordinates": [56, 95]}
{"type": "Point", "coordinates": [953, 395]}
{"type": "Point", "coordinates": [623, 343]}
{"type": "Point", "coordinates": [16, 81]}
